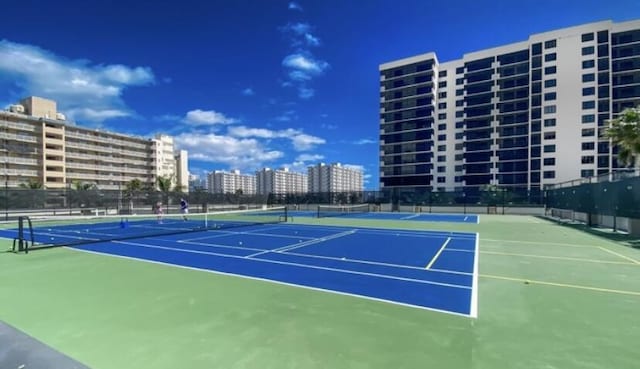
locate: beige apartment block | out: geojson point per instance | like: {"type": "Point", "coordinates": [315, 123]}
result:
{"type": "Point", "coordinates": [39, 144]}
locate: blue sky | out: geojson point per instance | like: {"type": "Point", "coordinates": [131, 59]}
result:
{"type": "Point", "coordinates": [247, 84]}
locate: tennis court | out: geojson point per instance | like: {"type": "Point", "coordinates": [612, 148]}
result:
{"type": "Point", "coordinates": [363, 212]}
{"type": "Point", "coordinates": [280, 295]}
{"type": "Point", "coordinates": [431, 270]}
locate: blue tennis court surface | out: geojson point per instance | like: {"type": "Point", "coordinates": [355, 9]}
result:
{"type": "Point", "coordinates": [430, 270]}
{"type": "Point", "coordinates": [423, 217]}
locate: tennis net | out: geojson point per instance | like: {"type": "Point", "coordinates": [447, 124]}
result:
{"type": "Point", "coordinates": [56, 231]}
{"type": "Point", "coordinates": [341, 210]}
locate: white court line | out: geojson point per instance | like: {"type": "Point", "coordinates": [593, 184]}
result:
{"type": "Point", "coordinates": [275, 282]}
{"type": "Point", "coordinates": [411, 216]}
{"type": "Point", "coordinates": [360, 261]}
{"type": "Point", "coordinates": [438, 253]}
{"type": "Point", "coordinates": [541, 243]}
{"type": "Point", "coordinates": [465, 219]}
{"type": "Point", "coordinates": [382, 276]}
{"type": "Point", "coordinates": [473, 310]}
{"type": "Point", "coordinates": [303, 244]}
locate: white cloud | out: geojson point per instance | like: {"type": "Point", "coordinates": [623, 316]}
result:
{"type": "Point", "coordinates": [248, 92]}
{"type": "Point", "coordinates": [309, 157]}
{"type": "Point", "coordinates": [207, 117]}
{"type": "Point", "coordinates": [301, 141]}
{"type": "Point", "coordinates": [365, 141]}
{"type": "Point", "coordinates": [244, 153]}
{"type": "Point", "coordinates": [287, 116]}
{"type": "Point", "coordinates": [167, 118]}
{"type": "Point", "coordinates": [298, 75]}
{"type": "Point", "coordinates": [83, 91]}
{"type": "Point", "coordinates": [97, 115]}
{"type": "Point", "coordinates": [311, 39]}
{"type": "Point", "coordinates": [305, 63]}
{"type": "Point", "coordinates": [305, 92]}
{"type": "Point", "coordinates": [295, 6]}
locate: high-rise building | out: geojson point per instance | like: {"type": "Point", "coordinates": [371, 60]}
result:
{"type": "Point", "coordinates": [39, 144]}
{"type": "Point", "coordinates": [334, 178]}
{"type": "Point", "coordinates": [182, 170]}
{"type": "Point", "coordinates": [525, 114]}
{"type": "Point", "coordinates": [231, 182]}
{"type": "Point", "coordinates": [280, 181]}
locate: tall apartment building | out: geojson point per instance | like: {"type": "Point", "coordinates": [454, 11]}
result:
{"type": "Point", "coordinates": [280, 181]}
{"type": "Point", "coordinates": [525, 114]}
{"type": "Point", "coordinates": [39, 144]}
{"type": "Point", "coordinates": [182, 170]}
{"type": "Point", "coordinates": [334, 178]}
{"type": "Point", "coordinates": [230, 182]}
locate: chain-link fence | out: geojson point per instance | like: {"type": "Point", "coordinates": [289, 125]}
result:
{"type": "Point", "coordinates": [615, 194]}
{"type": "Point", "coordinates": [18, 201]}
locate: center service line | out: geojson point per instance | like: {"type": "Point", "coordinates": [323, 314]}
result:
{"type": "Point", "coordinates": [438, 253]}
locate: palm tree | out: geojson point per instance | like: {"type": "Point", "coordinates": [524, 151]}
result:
{"type": "Point", "coordinates": [83, 186]}
{"type": "Point", "coordinates": [32, 184]}
{"type": "Point", "coordinates": [624, 132]}
{"type": "Point", "coordinates": [131, 190]}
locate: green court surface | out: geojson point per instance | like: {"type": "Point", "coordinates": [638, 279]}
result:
{"type": "Point", "coordinates": [551, 296]}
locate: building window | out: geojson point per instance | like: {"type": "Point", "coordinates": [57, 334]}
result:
{"type": "Point", "coordinates": [550, 70]}
{"type": "Point", "coordinates": [459, 81]}
{"type": "Point", "coordinates": [442, 137]}
{"type": "Point", "coordinates": [441, 179]}
{"type": "Point", "coordinates": [549, 96]}
{"type": "Point", "coordinates": [549, 174]}
{"type": "Point", "coordinates": [442, 95]}
{"type": "Point", "coordinates": [550, 44]}
{"type": "Point", "coordinates": [442, 158]}
{"type": "Point", "coordinates": [589, 77]}
{"type": "Point", "coordinates": [550, 57]}
{"type": "Point", "coordinates": [460, 92]}
{"type": "Point", "coordinates": [460, 136]}
{"type": "Point", "coordinates": [588, 50]}
{"type": "Point", "coordinates": [587, 37]}
{"type": "Point", "coordinates": [589, 118]}
{"type": "Point", "coordinates": [603, 36]}
{"type": "Point", "coordinates": [585, 173]}
{"type": "Point", "coordinates": [459, 124]}
{"type": "Point", "coordinates": [442, 73]}
{"type": "Point", "coordinates": [588, 146]}
{"type": "Point", "coordinates": [588, 91]}
{"type": "Point", "coordinates": [442, 147]}
{"type": "Point", "coordinates": [442, 116]}
{"type": "Point", "coordinates": [460, 114]}
{"type": "Point", "coordinates": [442, 105]}
{"type": "Point", "coordinates": [550, 109]}
{"type": "Point", "coordinates": [441, 169]}
{"type": "Point", "coordinates": [536, 49]}
{"type": "Point", "coordinates": [550, 122]}
{"type": "Point", "coordinates": [588, 104]}
{"type": "Point", "coordinates": [549, 161]}
{"type": "Point", "coordinates": [588, 159]}
{"type": "Point", "coordinates": [442, 127]}
{"type": "Point", "coordinates": [442, 84]}
{"type": "Point", "coordinates": [588, 64]}
{"type": "Point", "coordinates": [550, 83]}
{"type": "Point", "coordinates": [459, 103]}
{"type": "Point", "coordinates": [549, 148]}
{"type": "Point", "coordinates": [459, 70]}
{"type": "Point", "coordinates": [588, 132]}
{"type": "Point", "coordinates": [549, 135]}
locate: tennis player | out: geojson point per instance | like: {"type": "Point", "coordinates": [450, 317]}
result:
{"type": "Point", "coordinates": [159, 212]}
{"type": "Point", "coordinates": [184, 208]}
